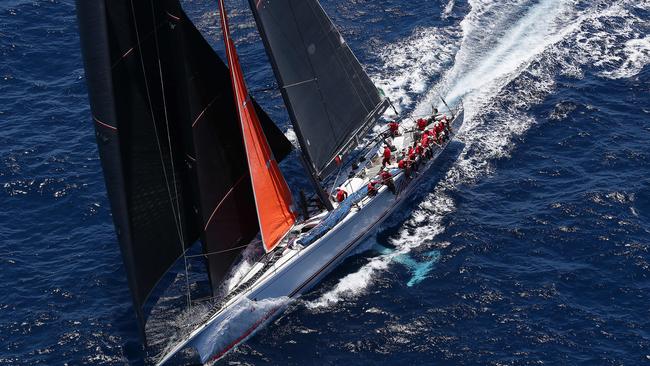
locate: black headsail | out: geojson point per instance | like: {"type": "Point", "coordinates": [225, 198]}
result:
{"type": "Point", "coordinates": [168, 138]}
{"type": "Point", "coordinates": [330, 98]}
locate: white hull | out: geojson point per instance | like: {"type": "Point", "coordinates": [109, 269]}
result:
{"type": "Point", "coordinates": [293, 274]}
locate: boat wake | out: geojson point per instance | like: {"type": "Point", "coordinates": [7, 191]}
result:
{"type": "Point", "coordinates": [499, 74]}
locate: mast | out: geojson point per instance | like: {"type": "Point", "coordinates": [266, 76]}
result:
{"type": "Point", "coordinates": [272, 195]}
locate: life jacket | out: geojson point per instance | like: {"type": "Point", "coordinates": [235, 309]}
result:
{"type": "Point", "coordinates": [439, 127]}
{"type": "Point", "coordinates": [422, 124]}
{"type": "Point", "coordinates": [385, 175]}
{"type": "Point", "coordinates": [386, 153]}
{"type": "Point", "coordinates": [341, 195]}
{"type": "Point", "coordinates": [402, 164]}
{"type": "Point", "coordinates": [425, 141]}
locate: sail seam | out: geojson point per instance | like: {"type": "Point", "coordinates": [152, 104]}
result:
{"type": "Point", "coordinates": [222, 201]}
{"type": "Point", "coordinates": [204, 110]}
{"type": "Point", "coordinates": [301, 82]}
{"type": "Point", "coordinates": [104, 124]}
{"type": "Point", "coordinates": [143, 39]}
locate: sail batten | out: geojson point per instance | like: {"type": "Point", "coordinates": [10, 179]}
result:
{"type": "Point", "coordinates": [329, 97]}
{"type": "Point", "coordinates": [272, 195]}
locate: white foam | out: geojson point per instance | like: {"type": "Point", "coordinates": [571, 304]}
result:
{"type": "Point", "coordinates": [290, 134]}
{"type": "Point", "coordinates": [446, 12]}
{"type": "Point", "coordinates": [434, 208]}
{"type": "Point", "coordinates": [637, 52]}
{"type": "Point", "coordinates": [411, 64]}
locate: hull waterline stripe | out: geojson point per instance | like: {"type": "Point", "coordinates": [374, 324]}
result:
{"type": "Point", "coordinates": [222, 201]}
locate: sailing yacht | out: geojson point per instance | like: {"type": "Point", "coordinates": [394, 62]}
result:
{"type": "Point", "coordinates": [189, 156]}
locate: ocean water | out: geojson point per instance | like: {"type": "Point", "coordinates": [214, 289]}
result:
{"type": "Point", "coordinates": [528, 245]}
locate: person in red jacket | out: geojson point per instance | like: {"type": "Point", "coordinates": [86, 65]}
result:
{"type": "Point", "coordinates": [425, 145]}
{"type": "Point", "coordinates": [386, 155]}
{"type": "Point", "coordinates": [413, 158]}
{"type": "Point", "coordinates": [341, 195]}
{"type": "Point", "coordinates": [440, 131]}
{"type": "Point", "coordinates": [393, 128]}
{"type": "Point", "coordinates": [425, 141]}
{"type": "Point", "coordinates": [387, 179]}
{"type": "Point", "coordinates": [422, 124]}
{"type": "Point", "coordinates": [405, 165]}
{"type": "Point", "coordinates": [419, 150]}
{"type": "Point", "coordinates": [372, 188]}
{"type": "Point", "coordinates": [447, 126]}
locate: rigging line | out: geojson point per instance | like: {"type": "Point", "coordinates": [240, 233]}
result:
{"type": "Point", "coordinates": [336, 179]}
{"type": "Point", "coordinates": [153, 119]}
{"type": "Point", "coordinates": [222, 251]}
{"type": "Point", "coordinates": [171, 154]}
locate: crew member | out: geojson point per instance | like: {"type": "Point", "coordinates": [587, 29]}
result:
{"type": "Point", "coordinates": [425, 145]}
{"type": "Point", "coordinates": [425, 140]}
{"type": "Point", "coordinates": [372, 188]}
{"type": "Point", "coordinates": [447, 124]}
{"type": "Point", "coordinates": [439, 129]}
{"type": "Point", "coordinates": [387, 155]}
{"type": "Point", "coordinates": [422, 124]}
{"type": "Point", "coordinates": [393, 128]}
{"type": "Point", "coordinates": [419, 150]}
{"type": "Point", "coordinates": [387, 179]}
{"type": "Point", "coordinates": [341, 195]}
{"type": "Point", "coordinates": [413, 158]}
{"type": "Point", "coordinates": [405, 165]}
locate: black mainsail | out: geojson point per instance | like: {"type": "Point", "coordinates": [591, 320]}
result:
{"type": "Point", "coordinates": [169, 139]}
{"type": "Point", "coordinates": [331, 100]}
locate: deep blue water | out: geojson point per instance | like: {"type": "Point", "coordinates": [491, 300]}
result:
{"type": "Point", "coordinates": [530, 245]}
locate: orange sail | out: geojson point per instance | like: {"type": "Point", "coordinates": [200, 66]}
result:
{"type": "Point", "coordinates": [272, 194]}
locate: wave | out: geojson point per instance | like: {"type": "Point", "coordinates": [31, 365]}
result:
{"type": "Point", "coordinates": [507, 55]}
